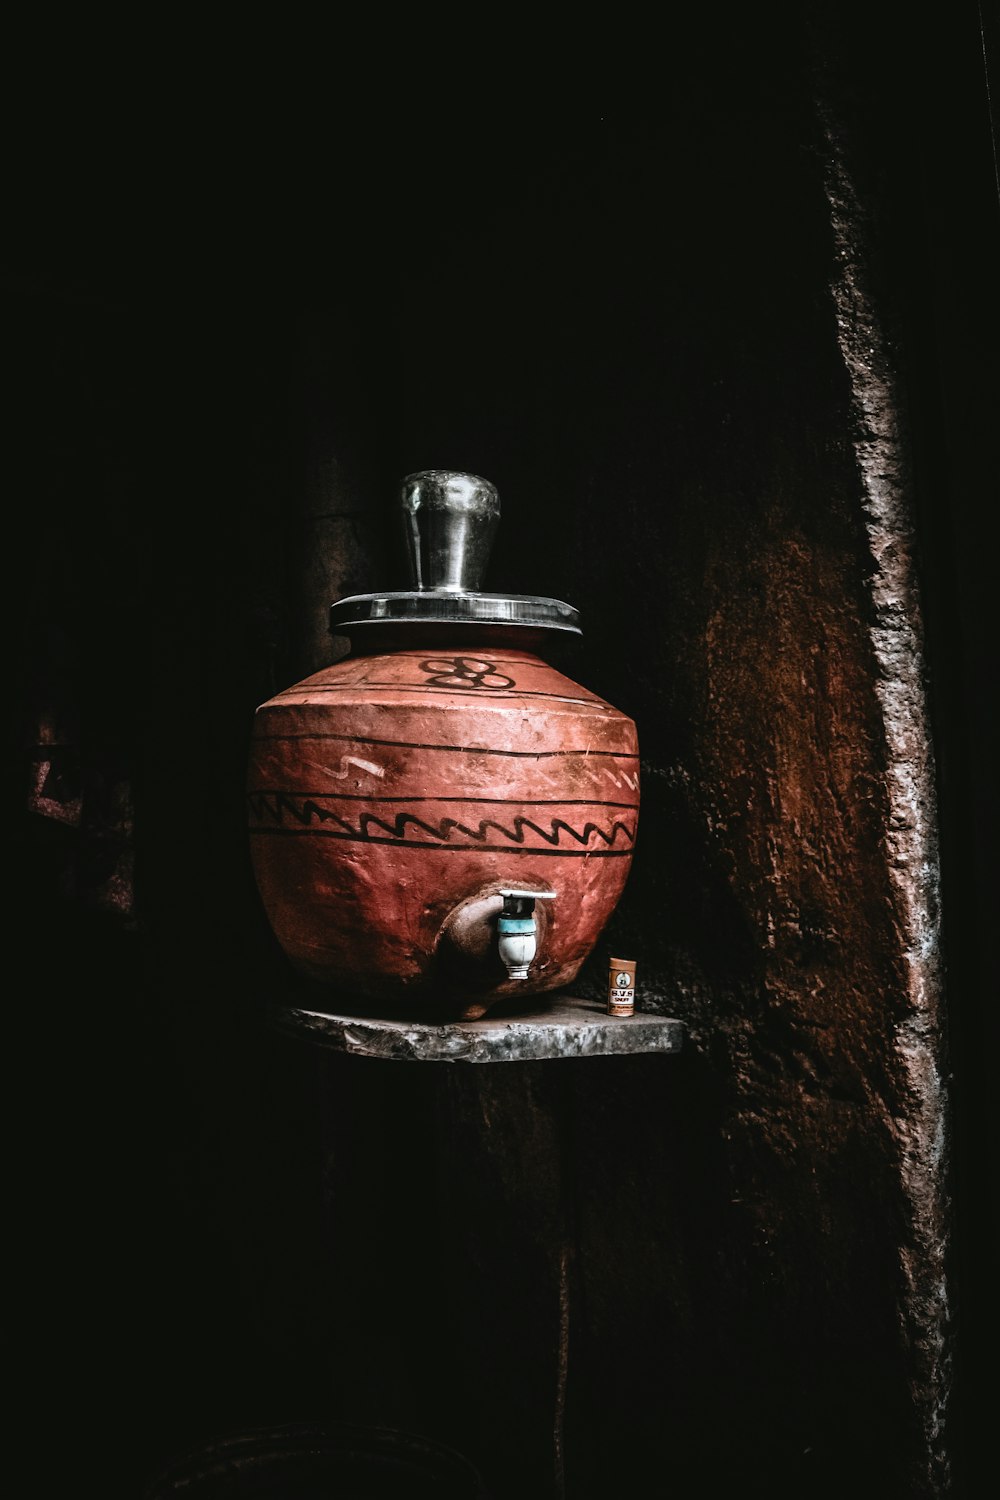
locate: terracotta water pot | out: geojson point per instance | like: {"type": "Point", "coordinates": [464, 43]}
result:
{"type": "Point", "coordinates": [442, 820]}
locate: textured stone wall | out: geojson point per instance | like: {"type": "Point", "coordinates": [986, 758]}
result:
{"type": "Point", "coordinates": [712, 450]}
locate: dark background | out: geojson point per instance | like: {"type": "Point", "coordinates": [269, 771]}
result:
{"type": "Point", "coordinates": [220, 308]}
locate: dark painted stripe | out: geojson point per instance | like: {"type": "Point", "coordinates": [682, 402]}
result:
{"type": "Point", "coordinates": [326, 833]}
{"type": "Point", "coordinates": [360, 739]}
{"type": "Point", "coordinates": [500, 801]}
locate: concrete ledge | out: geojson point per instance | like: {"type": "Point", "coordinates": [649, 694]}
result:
{"type": "Point", "coordinates": [564, 1028]}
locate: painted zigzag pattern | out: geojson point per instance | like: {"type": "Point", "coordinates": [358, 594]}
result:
{"type": "Point", "coordinates": [284, 810]}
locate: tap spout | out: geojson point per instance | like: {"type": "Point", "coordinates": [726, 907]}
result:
{"type": "Point", "coordinates": [517, 932]}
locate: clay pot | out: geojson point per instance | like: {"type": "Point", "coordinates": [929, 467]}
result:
{"type": "Point", "coordinates": [443, 820]}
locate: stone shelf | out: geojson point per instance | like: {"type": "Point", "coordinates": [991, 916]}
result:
{"type": "Point", "coordinates": [565, 1027]}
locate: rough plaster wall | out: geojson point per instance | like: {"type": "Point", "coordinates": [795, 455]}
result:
{"type": "Point", "coordinates": [719, 477]}
{"type": "Point", "coordinates": [729, 1265]}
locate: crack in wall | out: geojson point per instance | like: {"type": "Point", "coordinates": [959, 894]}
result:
{"type": "Point", "coordinates": [921, 1128]}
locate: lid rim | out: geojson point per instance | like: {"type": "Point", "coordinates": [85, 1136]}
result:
{"type": "Point", "coordinates": [468, 607]}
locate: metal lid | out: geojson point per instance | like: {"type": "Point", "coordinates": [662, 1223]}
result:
{"type": "Point", "coordinates": [453, 609]}
{"type": "Point", "coordinates": [449, 520]}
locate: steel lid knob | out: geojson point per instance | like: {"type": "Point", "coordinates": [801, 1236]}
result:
{"type": "Point", "coordinates": [449, 522]}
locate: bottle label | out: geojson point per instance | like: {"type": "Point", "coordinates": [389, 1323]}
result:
{"type": "Point", "coordinates": [621, 987]}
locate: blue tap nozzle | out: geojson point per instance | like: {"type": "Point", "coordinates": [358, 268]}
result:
{"type": "Point", "coordinates": [516, 929]}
